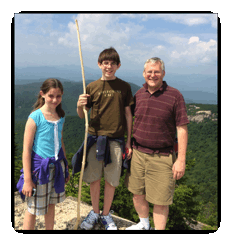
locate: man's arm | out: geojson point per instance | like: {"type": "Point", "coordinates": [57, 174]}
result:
{"type": "Point", "coordinates": [179, 166]}
{"type": "Point", "coordinates": [129, 119]}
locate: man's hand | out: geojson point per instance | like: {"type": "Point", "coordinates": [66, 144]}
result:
{"type": "Point", "coordinates": [178, 169]}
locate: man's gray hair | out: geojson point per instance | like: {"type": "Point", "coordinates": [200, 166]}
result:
{"type": "Point", "coordinates": [154, 60]}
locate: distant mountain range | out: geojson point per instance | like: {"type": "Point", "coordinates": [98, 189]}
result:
{"type": "Point", "coordinates": [68, 72]}
{"type": "Point", "coordinates": [29, 80]}
{"type": "Point", "coordinates": [196, 88]}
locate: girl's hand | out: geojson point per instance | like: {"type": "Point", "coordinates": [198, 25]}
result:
{"type": "Point", "coordinates": [67, 179]}
{"type": "Point", "coordinates": [27, 188]}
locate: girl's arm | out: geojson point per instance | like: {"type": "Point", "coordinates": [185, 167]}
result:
{"type": "Point", "coordinates": [29, 134]}
{"type": "Point", "coordinates": [63, 147]}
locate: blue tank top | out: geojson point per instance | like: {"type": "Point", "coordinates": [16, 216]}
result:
{"type": "Point", "coordinates": [47, 141]}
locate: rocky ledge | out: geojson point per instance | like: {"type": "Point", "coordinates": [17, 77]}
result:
{"type": "Point", "coordinates": [65, 216]}
{"type": "Point", "coordinates": [201, 115]}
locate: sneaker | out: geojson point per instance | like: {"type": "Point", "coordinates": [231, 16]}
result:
{"type": "Point", "coordinates": [138, 226]}
{"type": "Point", "coordinates": [90, 220]}
{"type": "Point", "coordinates": [108, 222]}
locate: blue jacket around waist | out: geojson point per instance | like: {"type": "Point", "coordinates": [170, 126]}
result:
{"type": "Point", "coordinates": [102, 154]}
{"type": "Point", "coordinates": [40, 172]}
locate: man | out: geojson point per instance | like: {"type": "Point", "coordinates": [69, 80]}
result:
{"type": "Point", "coordinates": [159, 112]}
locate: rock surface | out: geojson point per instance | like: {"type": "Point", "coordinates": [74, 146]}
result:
{"type": "Point", "coordinates": [200, 115]}
{"type": "Point", "coordinates": [65, 216]}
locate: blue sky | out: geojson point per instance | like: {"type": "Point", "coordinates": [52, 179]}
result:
{"type": "Point", "coordinates": [186, 42]}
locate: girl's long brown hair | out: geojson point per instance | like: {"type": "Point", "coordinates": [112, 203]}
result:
{"type": "Point", "coordinates": [46, 86]}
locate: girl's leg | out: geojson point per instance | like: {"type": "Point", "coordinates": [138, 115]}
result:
{"type": "Point", "coordinates": [49, 217]}
{"type": "Point", "coordinates": [29, 221]}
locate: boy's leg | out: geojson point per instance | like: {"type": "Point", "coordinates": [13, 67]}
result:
{"type": "Point", "coordinates": [29, 221]}
{"type": "Point", "coordinates": [92, 175]}
{"type": "Point", "coordinates": [49, 217]}
{"type": "Point", "coordinates": [95, 195]}
{"type": "Point", "coordinates": [108, 198]}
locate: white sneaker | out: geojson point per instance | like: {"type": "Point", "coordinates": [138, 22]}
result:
{"type": "Point", "coordinates": [90, 220]}
{"type": "Point", "coordinates": [108, 222]}
{"type": "Point", "coordinates": [138, 226]}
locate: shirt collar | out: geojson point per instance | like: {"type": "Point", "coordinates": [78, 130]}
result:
{"type": "Point", "coordinates": [163, 87]}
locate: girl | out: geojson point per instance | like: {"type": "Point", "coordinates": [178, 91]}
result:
{"type": "Point", "coordinates": [45, 168]}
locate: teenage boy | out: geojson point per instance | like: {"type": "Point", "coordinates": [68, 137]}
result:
{"type": "Point", "coordinates": [110, 99]}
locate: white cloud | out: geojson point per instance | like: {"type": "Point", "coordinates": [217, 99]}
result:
{"type": "Point", "coordinates": [208, 46]}
{"type": "Point", "coordinates": [160, 47]}
{"type": "Point", "coordinates": [193, 40]}
{"type": "Point", "coordinates": [69, 39]}
{"type": "Point", "coordinates": [135, 40]}
{"type": "Point", "coordinates": [196, 51]}
{"type": "Point", "coordinates": [100, 30]}
{"type": "Point", "coordinates": [186, 19]}
{"type": "Point", "coordinates": [36, 23]}
{"type": "Point", "coordinates": [214, 20]}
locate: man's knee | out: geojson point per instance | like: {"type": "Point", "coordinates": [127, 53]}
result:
{"type": "Point", "coordinates": [138, 197]}
{"type": "Point", "coordinates": [160, 208]}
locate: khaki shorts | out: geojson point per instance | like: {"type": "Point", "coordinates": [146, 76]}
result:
{"type": "Point", "coordinates": [95, 168]}
{"type": "Point", "coordinates": [45, 194]}
{"type": "Point", "coordinates": [151, 175]}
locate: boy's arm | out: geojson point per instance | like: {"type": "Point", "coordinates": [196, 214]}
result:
{"type": "Point", "coordinates": [129, 119]}
{"type": "Point", "coordinates": [80, 111]}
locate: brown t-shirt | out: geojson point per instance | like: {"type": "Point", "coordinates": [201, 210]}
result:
{"type": "Point", "coordinates": [107, 101]}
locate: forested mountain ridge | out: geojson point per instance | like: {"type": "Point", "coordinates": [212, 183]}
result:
{"type": "Point", "coordinates": [26, 95]}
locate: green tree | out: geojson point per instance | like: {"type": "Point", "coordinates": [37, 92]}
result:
{"type": "Point", "coordinates": [184, 209]}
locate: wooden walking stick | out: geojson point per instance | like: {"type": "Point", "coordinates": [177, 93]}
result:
{"type": "Point", "coordinates": [86, 133]}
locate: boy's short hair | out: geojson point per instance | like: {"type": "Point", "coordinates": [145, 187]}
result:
{"type": "Point", "coordinates": [109, 54]}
